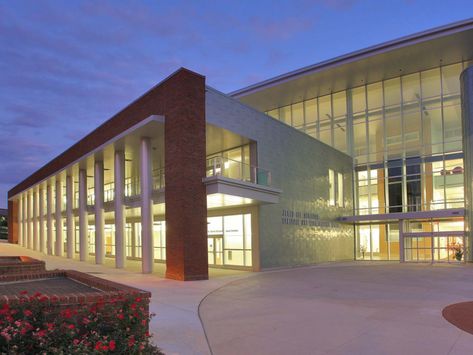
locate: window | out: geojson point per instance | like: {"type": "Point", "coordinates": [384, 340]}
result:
{"type": "Point", "coordinates": [340, 190]}
{"type": "Point", "coordinates": [311, 117]}
{"type": "Point", "coordinates": [331, 180]}
{"type": "Point", "coordinates": [395, 185]}
{"type": "Point", "coordinates": [285, 114]}
{"type": "Point", "coordinates": [298, 115]}
{"type": "Point", "coordinates": [335, 188]}
{"type": "Point", "coordinates": [413, 184]}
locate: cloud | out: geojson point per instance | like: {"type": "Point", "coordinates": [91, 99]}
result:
{"type": "Point", "coordinates": [23, 115]}
{"type": "Point", "coordinates": [20, 157]}
{"type": "Point", "coordinates": [280, 29]}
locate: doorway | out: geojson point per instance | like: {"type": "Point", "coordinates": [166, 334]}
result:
{"type": "Point", "coordinates": [215, 249]}
{"type": "Point", "coordinates": [437, 247]}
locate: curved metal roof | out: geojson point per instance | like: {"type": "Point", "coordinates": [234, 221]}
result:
{"type": "Point", "coordinates": [442, 45]}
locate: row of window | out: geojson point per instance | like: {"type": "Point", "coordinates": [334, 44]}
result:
{"type": "Point", "coordinates": [229, 240]}
{"type": "Point", "coordinates": [413, 184]}
{"type": "Point", "coordinates": [408, 115]}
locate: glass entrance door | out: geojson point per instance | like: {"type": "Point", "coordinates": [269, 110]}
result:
{"type": "Point", "coordinates": [434, 248]}
{"type": "Point", "coordinates": [215, 249]}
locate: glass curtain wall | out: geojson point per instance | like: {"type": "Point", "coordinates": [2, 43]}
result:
{"type": "Point", "coordinates": [406, 138]}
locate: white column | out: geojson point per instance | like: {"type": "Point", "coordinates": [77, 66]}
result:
{"type": "Point", "coordinates": [83, 223]}
{"type": "Point", "coordinates": [24, 221]}
{"type": "Point", "coordinates": [119, 183]}
{"type": "Point", "coordinates": [49, 221]}
{"type": "Point", "coordinates": [59, 241]}
{"type": "Point", "coordinates": [30, 227]}
{"type": "Point", "coordinates": [70, 217]}
{"type": "Point", "coordinates": [35, 220]}
{"type": "Point", "coordinates": [146, 206]}
{"type": "Point", "coordinates": [20, 220]}
{"type": "Point", "coordinates": [99, 213]}
{"type": "Point", "coordinates": [42, 239]}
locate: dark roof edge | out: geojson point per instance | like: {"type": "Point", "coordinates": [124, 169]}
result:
{"type": "Point", "coordinates": [359, 54]}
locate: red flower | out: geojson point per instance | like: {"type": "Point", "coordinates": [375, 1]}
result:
{"type": "Point", "coordinates": [41, 333]}
{"type": "Point", "coordinates": [50, 326]}
{"type": "Point", "coordinates": [98, 346]}
{"type": "Point", "coordinates": [76, 341]}
{"type": "Point", "coordinates": [67, 313]}
{"type": "Point", "coordinates": [138, 299]}
{"type": "Point", "coordinates": [43, 298]}
{"type": "Point", "coordinates": [105, 348]}
{"type": "Point", "coordinates": [27, 313]}
{"type": "Point", "coordinates": [85, 320]}
{"type": "Point", "coordinates": [37, 294]}
{"type": "Point", "coordinates": [24, 292]}
{"type": "Point", "coordinates": [71, 326]}
{"type": "Point", "coordinates": [120, 316]}
{"type": "Point", "coordinates": [131, 341]}
{"type": "Point", "coordinates": [5, 309]}
{"type": "Point", "coordinates": [111, 345]}
{"type": "Point", "coordinates": [133, 306]}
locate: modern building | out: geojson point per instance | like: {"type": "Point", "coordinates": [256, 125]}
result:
{"type": "Point", "coordinates": [367, 156]}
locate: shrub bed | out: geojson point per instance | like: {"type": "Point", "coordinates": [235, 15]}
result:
{"type": "Point", "coordinates": [39, 324]}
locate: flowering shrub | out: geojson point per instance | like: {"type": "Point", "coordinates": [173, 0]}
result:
{"type": "Point", "coordinates": [457, 249]}
{"type": "Point", "coordinates": [38, 324]}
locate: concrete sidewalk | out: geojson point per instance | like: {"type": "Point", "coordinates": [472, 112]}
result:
{"type": "Point", "coordinates": [176, 327]}
{"type": "Point", "coordinates": [344, 308]}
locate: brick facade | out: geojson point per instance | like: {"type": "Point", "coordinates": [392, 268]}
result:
{"type": "Point", "coordinates": [13, 222]}
{"type": "Point", "coordinates": [181, 100]}
{"type": "Point", "coordinates": [185, 194]}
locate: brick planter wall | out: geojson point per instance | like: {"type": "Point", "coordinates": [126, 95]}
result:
{"type": "Point", "coordinates": [106, 290]}
{"type": "Point", "coordinates": [63, 308]}
{"type": "Point", "coordinates": [20, 265]}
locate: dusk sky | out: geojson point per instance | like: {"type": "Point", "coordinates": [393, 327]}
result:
{"type": "Point", "coordinates": [66, 67]}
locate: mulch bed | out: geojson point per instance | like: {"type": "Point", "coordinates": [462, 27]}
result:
{"type": "Point", "coordinates": [460, 315]}
{"type": "Point", "coordinates": [53, 286]}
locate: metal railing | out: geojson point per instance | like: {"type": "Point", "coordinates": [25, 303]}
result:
{"type": "Point", "coordinates": [233, 169]}
{"type": "Point", "coordinates": [216, 166]}
{"type": "Point", "coordinates": [432, 206]}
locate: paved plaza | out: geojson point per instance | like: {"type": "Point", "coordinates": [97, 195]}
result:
{"type": "Point", "coordinates": [354, 308]}
{"type": "Point", "coordinates": [340, 308]}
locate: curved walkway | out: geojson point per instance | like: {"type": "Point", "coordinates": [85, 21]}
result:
{"type": "Point", "coordinates": [350, 308]}
{"type": "Point", "coordinates": [176, 327]}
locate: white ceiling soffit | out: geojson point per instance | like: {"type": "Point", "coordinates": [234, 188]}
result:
{"type": "Point", "coordinates": [425, 50]}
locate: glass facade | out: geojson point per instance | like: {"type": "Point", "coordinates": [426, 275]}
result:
{"type": "Point", "coordinates": [405, 137]}
{"type": "Point", "coordinates": [229, 240]}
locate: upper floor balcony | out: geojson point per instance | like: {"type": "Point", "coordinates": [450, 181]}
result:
{"type": "Point", "coordinates": [224, 176]}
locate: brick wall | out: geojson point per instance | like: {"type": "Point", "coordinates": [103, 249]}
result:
{"type": "Point", "coordinates": [13, 222]}
{"type": "Point", "coordinates": [181, 100]}
{"type": "Point", "coordinates": [110, 289]}
{"type": "Point", "coordinates": [24, 265]}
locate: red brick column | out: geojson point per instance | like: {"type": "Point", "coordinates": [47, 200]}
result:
{"type": "Point", "coordinates": [13, 222]}
{"type": "Point", "coordinates": [185, 194]}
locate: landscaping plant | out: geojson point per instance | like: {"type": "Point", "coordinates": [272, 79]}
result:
{"type": "Point", "coordinates": [38, 324]}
